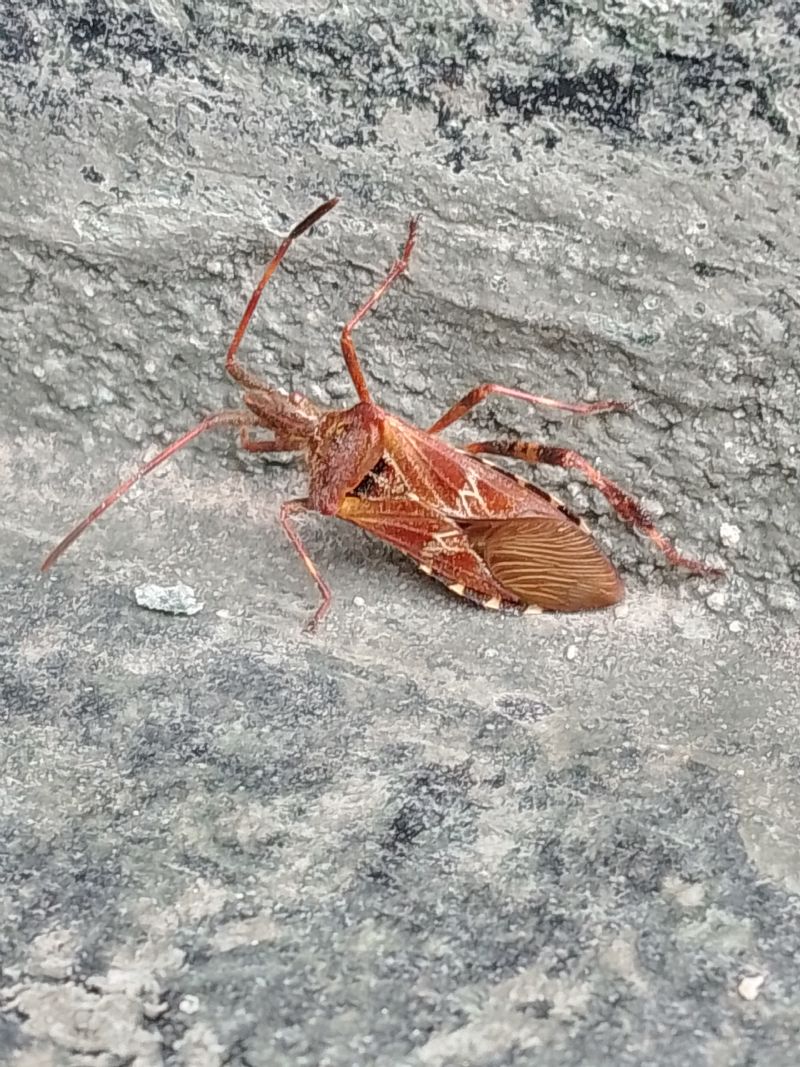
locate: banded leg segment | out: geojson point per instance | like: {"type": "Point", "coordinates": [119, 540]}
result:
{"type": "Point", "coordinates": [481, 392]}
{"type": "Point", "coordinates": [348, 348]}
{"type": "Point", "coordinates": [623, 503]}
{"type": "Point", "coordinates": [289, 508]}
{"type": "Point", "coordinates": [232, 366]}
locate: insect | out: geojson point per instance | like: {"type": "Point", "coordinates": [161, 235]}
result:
{"type": "Point", "coordinates": [482, 531]}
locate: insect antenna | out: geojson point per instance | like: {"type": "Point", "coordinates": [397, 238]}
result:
{"type": "Point", "coordinates": [211, 422]}
{"type": "Point", "coordinates": [232, 365]}
{"type": "Point", "coordinates": [241, 419]}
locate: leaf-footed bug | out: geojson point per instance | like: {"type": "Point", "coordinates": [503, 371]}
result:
{"type": "Point", "coordinates": [482, 531]}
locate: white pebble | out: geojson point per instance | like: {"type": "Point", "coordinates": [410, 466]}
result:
{"type": "Point", "coordinates": [359, 601]}
{"type": "Point", "coordinates": [736, 627]}
{"type": "Point", "coordinates": [189, 1005]}
{"type": "Point", "coordinates": [729, 534]}
{"type": "Point", "coordinates": [572, 652]}
{"type": "Point", "coordinates": [716, 601]}
{"type": "Point", "coordinates": [654, 508]}
{"type": "Point", "coordinates": [177, 599]}
{"type": "Point", "coordinates": [750, 986]}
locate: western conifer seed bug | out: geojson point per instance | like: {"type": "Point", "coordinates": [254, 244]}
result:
{"type": "Point", "coordinates": [482, 531]}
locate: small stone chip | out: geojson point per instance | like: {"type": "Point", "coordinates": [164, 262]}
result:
{"type": "Point", "coordinates": [750, 986]}
{"type": "Point", "coordinates": [729, 534]}
{"type": "Point", "coordinates": [717, 601]}
{"type": "Point", "coordinates": [653, 507]}
{"type": "Point", "coordinates": [177, 599]}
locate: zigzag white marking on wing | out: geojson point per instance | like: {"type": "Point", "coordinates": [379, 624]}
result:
{"type": "Point", "coordinates": [439, 540]}
{"type": "Point", "coordinates": [436, 543]}
{"type": "Point", "coordinates": [470, 492]}
{"type": "Point", "coordinates": [441, 485]}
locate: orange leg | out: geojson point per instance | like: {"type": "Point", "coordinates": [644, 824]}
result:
{"type": "Point", "coordinates": [624, 504]}
{"type": "Point", "coordinates": [481, 392]}
{"type": "Point", "coordinates": [232, 365]}
{"type": "Point", "coordinates": [289, 508]}
{"type": "Point", "coordinates": [348, 348]}
{"type": "Point", "coordinates": [252, 444]}
{"type": "Point", "coordinates": [240, 419]}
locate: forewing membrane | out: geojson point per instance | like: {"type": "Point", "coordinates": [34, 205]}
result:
{"type": "Point", "coordinates": [548, 561]}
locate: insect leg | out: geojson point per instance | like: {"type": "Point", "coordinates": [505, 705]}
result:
{"type": "Point", "coordinates": [232, 366]}
{"type": "Point", "coordinates": [252, 444]}
{"type": "Point", "coordinates": [290, 508]}
{"type": "Point", "coordinates": [625, 506]}
{"type": "Point", "coordinates": [222, 418]}
{"type": "Point", "coordinates": [348, 348]}
{"type": "Point", "coordinates": [481, 392]}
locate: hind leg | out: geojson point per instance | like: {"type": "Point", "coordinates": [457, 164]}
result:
{"type": "Point", "coordinates": [623, 503]}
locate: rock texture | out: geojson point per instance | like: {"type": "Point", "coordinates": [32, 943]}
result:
{"type": "Point", "coordinates": [429, 836]}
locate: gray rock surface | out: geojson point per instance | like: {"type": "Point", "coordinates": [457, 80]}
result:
{"type": "Point", "coordinates": [428, 836]}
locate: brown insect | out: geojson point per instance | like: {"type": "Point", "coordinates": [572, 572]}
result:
{"type": "Point", "coordinates": [487, 534]}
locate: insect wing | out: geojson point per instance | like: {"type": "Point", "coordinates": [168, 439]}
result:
{"type": "Point", "coordinates": [437, 543]}
{"type": "Point", "coordinates": [548, 561]}
{"type": "Point", "coordinates": [454, 483]}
